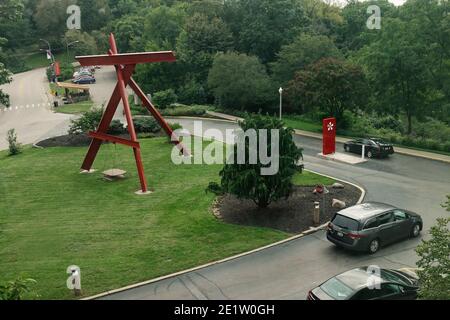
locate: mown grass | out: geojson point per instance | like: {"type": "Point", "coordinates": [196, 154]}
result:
{"type": "Point", "coordinates": [307, 178]}
{"type": "Point", "coordinates": [52, 217]}
{"type": "Point", "coordinates": [296, 122]}
{"type": "Point", "coordinates": [75, 108]}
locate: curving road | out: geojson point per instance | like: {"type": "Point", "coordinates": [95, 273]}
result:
{"type": "Point", "coordinates": [290, 270]}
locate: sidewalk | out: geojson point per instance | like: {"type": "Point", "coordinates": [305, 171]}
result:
{"type": "Point", "coordinates": [399, 150]}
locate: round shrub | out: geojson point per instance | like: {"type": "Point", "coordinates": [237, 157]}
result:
{"type": "Point", "coordinates": [163, 99]}
{"type": "Point", "coordinates": [146, 125]}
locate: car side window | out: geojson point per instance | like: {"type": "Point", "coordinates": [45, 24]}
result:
{"type": "Point", "coordinates": [372, 223]}
{"type": "Point", "coordinates": [400, 215]}
{"type": "Point", "coordinates": [388, 289]}
{"type": "Point", "coordinates": [386, 218]}
{"type": "Point", "coordinates": [366, 294]}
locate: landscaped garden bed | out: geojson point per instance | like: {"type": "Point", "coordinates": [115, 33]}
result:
{"type": "Point", "coordinates": [293, 215]}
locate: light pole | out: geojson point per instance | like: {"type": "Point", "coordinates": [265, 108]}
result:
{"type": "Point", "coordinates": [49, 50]}
{"type": "Point", "coordinates": [68, 45]}
{"type": "Point", "coordinates": [281, 100]}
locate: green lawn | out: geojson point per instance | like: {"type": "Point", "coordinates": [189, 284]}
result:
{"type": "Point", "coordinates": [39, 60]}
{"type": "Point", "coordinates": [307, 178]}
{"type": "Point", "coordinates": [302, 124]}
{"type": "Point", "coordinates": [52, 217]}
{"type": "Point", "coordinates": [75, 108]}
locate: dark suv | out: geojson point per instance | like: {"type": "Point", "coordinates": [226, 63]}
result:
{"type": "Point", "coordinates": [368, 226]}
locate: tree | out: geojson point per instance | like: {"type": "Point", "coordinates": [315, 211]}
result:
{"type": "Point", "coordinates": [200, 40]}
{"type": "Point", "coordinates": [9, 11]}
{"type": "Point", "coordinates": [261, 27]}
{"type": "Point", "coordinates": [322, 16]}
{"type": "Point", "coordinates": [246, 181]}
{"type": "Point", "coordinates": [240, 81]}
{"type": "Point", "coordinates": [447, 204]}
{"type": "Point", "coordinates": [434, 262]}
{"type": "Point", "coordinates": [14, 145]}
{"type": "Point", "coordinates": [304, 50]}
{"type": "Point", "coordinates": [429, 22]}
{"type": "Point", "coordinates": [94, 14]}
{"type": "Point", "coordinates": [86, 44]}
{"type": "Point", "coordinates": [397, 70]}
{"type": "Point", "coordinates": [5, 77]}
{"type": "Point", "coordinates": [162, 26]}
{"type": "Point", "coordinates": [51, 18]}
{"type": "Point", "coordinates": [353, 33]}
{"type": "Point", "coordinates": [127, 31]}
{"type": "Point", "coordinates": [331, 85]}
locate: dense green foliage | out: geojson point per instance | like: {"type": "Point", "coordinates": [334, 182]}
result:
{"type": "Point", "coordinates": [17, 289]}
{"type": "Point", "coordinates": [246, 180]}
{"type": "Point", "coordinates": [237, 53]}
{"type": "Point", "coordinates": [240, 82]}
{"type": "Point", "coordinates": [434, 263]}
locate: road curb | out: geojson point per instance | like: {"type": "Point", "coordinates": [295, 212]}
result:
{"type": "Point", "coordinates": [298, 236]}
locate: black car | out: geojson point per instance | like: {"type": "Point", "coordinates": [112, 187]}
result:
{"type": "Point", "coordinates": [368, 283]}
{"type": "Point", "coordinates": [374, 147]}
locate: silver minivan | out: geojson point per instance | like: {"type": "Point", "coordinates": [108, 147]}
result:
{"type": "Point", "coordinates": [368, 226]}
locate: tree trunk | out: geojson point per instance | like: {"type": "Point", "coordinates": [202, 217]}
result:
{"type": "Point", "coordinates": [409, 122]}
{"type": "Point", "coordinates": [262, 203]}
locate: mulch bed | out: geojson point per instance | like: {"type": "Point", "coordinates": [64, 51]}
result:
{"type": "Point", "coordinates": [292, 215]}
{"type": "Point", "coordinates": [83, 140]}
{"type": "Point", "coordinates": [78, 140]}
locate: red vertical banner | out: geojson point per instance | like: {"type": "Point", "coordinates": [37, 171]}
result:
{"type": "Point", "coordinates": [329, 136]}
{"type": "Point", "coordinates": [57, 69]}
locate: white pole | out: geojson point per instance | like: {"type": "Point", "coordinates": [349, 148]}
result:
{"type": "Point", "coordinates": [281, 100]}
{"type": "Point", "coordinates": [363, 151]}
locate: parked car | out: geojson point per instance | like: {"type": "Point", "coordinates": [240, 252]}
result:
{"type": "Point", "coordinates": [368, 226]}
{"type": "Point", "coordinates": [84, 80]}
{"type": "Point", "coordinates": [363, 284]}
{"type": "Point", "coordinates": [374, 147]}
{"type": "Point", "coordinates": [82, 73]}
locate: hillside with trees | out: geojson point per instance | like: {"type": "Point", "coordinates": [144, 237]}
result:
{"type": "Point", "coordinates": [392, 82]}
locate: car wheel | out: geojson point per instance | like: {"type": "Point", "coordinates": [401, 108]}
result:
{"type": "Point", "coordinates": [369, 154]}
{"type": "Point", "coordinates": [415, 231]}
{"type": "Point", "coordinates": [374, 246]}
{"type": "Point", "coordinates": [346, 148]}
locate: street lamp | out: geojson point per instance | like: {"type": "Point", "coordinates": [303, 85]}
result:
{"type": "Point", "coordinates": [68, 45]}
{"type": "Point", "coordinates": [281, 100]}
{"type": "Point", "coordinates": [49, 50]}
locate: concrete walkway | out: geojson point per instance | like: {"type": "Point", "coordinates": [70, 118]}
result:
{"type": "Point", "coordinates": [400, 150]}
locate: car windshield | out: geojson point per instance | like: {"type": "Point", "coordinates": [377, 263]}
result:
{"type": "Point", "coordinates": [345, 222]}
{"type": "Point", "coordinates": [376, 140]}
{"type": "Point", "coordinates": [336, 289]}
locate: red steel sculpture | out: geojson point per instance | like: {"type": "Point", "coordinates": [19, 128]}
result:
{"type": "Point", "coordinates": [125, 65]}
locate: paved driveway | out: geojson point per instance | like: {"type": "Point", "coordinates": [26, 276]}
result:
{"type": "Point", "coordinates": [30, 113]}
{"type": "Point", "coordinates": [288, 271]}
